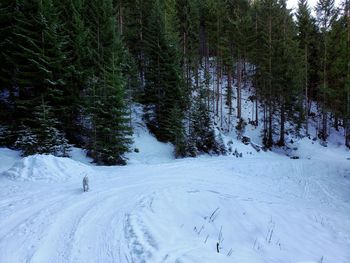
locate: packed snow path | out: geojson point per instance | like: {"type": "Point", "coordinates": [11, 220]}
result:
{"type": "Point", "coordinates": [261, 209]}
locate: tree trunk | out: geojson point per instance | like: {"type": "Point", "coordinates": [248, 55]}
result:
{"type": "Point", "coordinates": [221, 100]}
{"type": "Point", "coordinates": [218, 69]}
{"type": "Point", "coordinates": [282, 128]}
{"type": "Point", "coordinates": [306, 92]}
{"type": "Point", "coordinates": [324, 111]}
{"type": "Point", "coordinates": [141, 55]}
{"type": "Point", "coordinates": [120, 17]}
{"type": "Point", "coordinates": [239, 87]}
{"type": "Point", "coordinates": [256, 111]}
{"type": "Point", "coordinates": [347, 118]}
{"type": "Point", "coordinates": [336, 122]}
{"type": "Point", "coordinates": [270, 138]}
{"type": "Point", "coordinates": [229, 90]}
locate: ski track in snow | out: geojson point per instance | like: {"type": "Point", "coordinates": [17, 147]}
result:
{"type": "Point", "coordinates": [266, 211]}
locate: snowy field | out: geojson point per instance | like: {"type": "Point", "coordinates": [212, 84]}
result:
{"type": "Point", "coordinates": [264, 207]}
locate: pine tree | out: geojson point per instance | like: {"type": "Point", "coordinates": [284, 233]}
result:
{"type": "Point", "coordinates": [326, 14]}
{"type": "Point", "coordinates": [287, 70]}
{"type": "Point", "coordinates": [308, 44]}
{"type": "Point", "coordinates": [7, 13]}
{"type": "Point", "coordinates": [268, 23]}
{"type": "Point", "coordinates": [109, 135]}
{"type": "Point", "coordinates": [164, 95]}
{"type": "Point", "coordinates": [77, 64]}
{"type": "Point", "coordinates": [38, 60]}
{"type": "Point", "coordinates": [337, 70]}
{"type": "Point", "coordinates": [42, 135]}
{"type": "Point", "coordinates": [202, 137]}
{"type": "Point", "coordinates": [26, 141]}
{"type": "Point", "coordinates": [347, 82]}
{"type": "Point", "coordinates": [40, 57]}
{"type": "Point", "coordinates": [110, 119]}
{"type": "Point", "coordinates": [240, 21]}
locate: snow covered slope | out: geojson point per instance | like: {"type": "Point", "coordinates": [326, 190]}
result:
{"type": "Point", "coordinates": [263, 207]}
{"type": "Point", "coordinates": [148, 149]}
{"type": "Point", "coordinates": [259, 208]}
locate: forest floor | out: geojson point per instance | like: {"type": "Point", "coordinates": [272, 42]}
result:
{"type": "Point", "coordinates": [263, 207]}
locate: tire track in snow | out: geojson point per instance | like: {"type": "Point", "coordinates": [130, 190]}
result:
{"type": "Point", "coordinates": [23, 230]}
{"type": "Point", "coordinates": [76, 215]}
{"type": "Point", "coordinates": [59, 237]}
{"type": "Point", "coordinates": [46, 230]}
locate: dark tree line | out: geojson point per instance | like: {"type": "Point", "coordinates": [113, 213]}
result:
{"type": "Point", "coordinates": [70, 69]}
{"type": "Point", "coordinates": [62, 78]}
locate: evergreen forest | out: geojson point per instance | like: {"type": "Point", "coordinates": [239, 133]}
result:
{"type": "Point", "coordinates": [71, 71]}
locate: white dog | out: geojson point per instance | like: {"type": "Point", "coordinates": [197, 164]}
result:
{"type": "Point", "coordinates": [86, 183]}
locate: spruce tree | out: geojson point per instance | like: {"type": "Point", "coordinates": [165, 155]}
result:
{"type": "Point", "coordinates": [326, 14]}
{"type": "Point", "coordinates": [347, 82]}
{"type": "Point", "coordinates": [77, 64]}
{"type": "Point", "coordinates": [202, 137]}
{"type": "Point", "coordinates": [42, 135]}
{"type": "Point", "coordinates": [308, 44]}
{"type": "Point", "coordinates": [338, 70]}
{"type": "Point", "coordinates": [164, 94]}
{"type": "Point", "coordinates": [287, 71]}
{"type": "Point", "coordinates": [7, 13]}
{"type": "Point", "coordinates": [109, 133]}
{"type": "Point", "coordinates": [38, 60]}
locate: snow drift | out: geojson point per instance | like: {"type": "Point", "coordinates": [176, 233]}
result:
{"type": "Point", "coordinates": [45, 167]}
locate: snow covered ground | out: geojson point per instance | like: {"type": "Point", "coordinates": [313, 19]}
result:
{"type": "Point", "coordinates": [264, 207]}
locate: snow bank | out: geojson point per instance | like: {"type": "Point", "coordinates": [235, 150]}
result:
{"type": "Point", "coordinates": [262, 208]}
{"type": "Point", "coordinates": [309, 149]}
{"type": "Point", "coordinates": [7, 158]}
{"type": "Point", "coordinates": [45, 167]}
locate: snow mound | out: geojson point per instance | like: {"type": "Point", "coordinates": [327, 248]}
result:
{"type": "Point", "coordinates": [8, 158]}
{"type": "Point", "coordinates": [46, 168]}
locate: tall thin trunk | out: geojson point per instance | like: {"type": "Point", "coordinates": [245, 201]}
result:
{"type": "Point", "coordinates": [141, 54]}
{"type": "Point", "coordinates": [218, 69]}
{"type": "Point", "coordinates": [229, 91]}
{"type": "Point", "coordinates": [265, 117]}
{"type": "Point", "coordinates": [336, 122]}
{"type": "Point", "coordinates": [239, 87]}
{"type": "Point", "coordinates": [306, 92]}
{"type": "Point", "coordinates": [282, 127]}
{"type": "Point", "coordinates": [265, 123]}
{"type": "Point", "coordinates": [256, 81]}
{"type": "Point", "coordinates": [184, 48]}
{"type": "Point", "coordinates": [347, 118]}
{"type": "Point", "coordinates": [324, 111]}
{"type": "Point", "coordinates": [218, 77]}
{"type": "Point", "coordinates": [256, 110]}
{"type": "Point", "coordinates": [221, 100]}
{"type": "Point", "coordinates": [206, 76]}
{"type": "Point", "coordinates": [270, 140]}
{"type": "Point", "coordinates": [120, 17]}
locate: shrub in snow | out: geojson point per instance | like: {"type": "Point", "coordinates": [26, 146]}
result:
{"type": "Point", "coordinates": [240, 127]}
{"type": "Point", "coordinates": [42, 136]}
{"type": "Point", "coordinates": [27, 140]}
{"type": "Point", "coordinates": [5, 136]}
{"type": "Point", "coordinates": [202, 137]}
